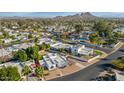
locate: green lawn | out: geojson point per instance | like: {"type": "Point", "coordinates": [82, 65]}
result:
{"type": "Point", "coordinates": [97, 52]}
{"type": "Point", "coordinates": [118, 64]}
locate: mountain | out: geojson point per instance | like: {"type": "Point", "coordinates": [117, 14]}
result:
{"type": "Point", "coordinates": [78, 16]}
{"type": "Point", "coordinates": [86, 14]}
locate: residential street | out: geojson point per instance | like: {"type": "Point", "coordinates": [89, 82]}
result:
{"type": "Point", "coordinates": [92, 71]}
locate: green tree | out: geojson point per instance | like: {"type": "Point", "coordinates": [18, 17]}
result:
{"type": "Point", "coordinates": [103, 28]}
{"type": "Point", "coordinates": [36, 40]}
{"type": "Point", "coordinates": [6, 34]}
{"type": "Point", "coordinates": [9, 74]}
{"type": "Point", "coordinates": [111, 41]}
{"type": "Point", "coordinates": [13, 37]}
{"type": "Point", "coordinates": [29, 51]}
{"type": "Point", "coordinates": [39, 72]}
{"type": "Point", "coordinates": [30, 36]}
{"type": "Point", "coordinates": [1, 36]}
{"type": "Point", "coordinates": [1, 43]}
{"type": "Point", "coordinates": [34, 52]}
{"type": "Point", "coordinates": [53, 37]}
{"type": "Point", "coordinates": [94, 38]}
{"type": "Point", "coordinates": [21, 55]}
{"type": "Point", "coordinates": [25, 71]}
{"type": "Point", "coordinates": [78, 28]}
{"type": "Point", "coordinates": [45, 46]}
{"type": "Point", "coordinates": [48, 46]}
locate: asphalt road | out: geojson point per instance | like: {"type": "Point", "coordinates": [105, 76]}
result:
{"type": "Point", "coordinates": [106, 50]}
{"type": "Point", "coordinates": [92, 71]}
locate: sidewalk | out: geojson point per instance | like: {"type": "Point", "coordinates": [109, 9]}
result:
{"type": "Point", "coordinates": [80, 65]}
{"type": "Point", "coordinates": [102, 56]}
{"type": "Point", "coordinates": [120, 44]}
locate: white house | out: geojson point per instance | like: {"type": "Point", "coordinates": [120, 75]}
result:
{"type": "Point", "coordinates": [49, 63]}
{"type": "Point", "coordinates": [53, 60]}
{"type": "Point", "coordinates": [81, 50]}
{"type": "Point", "coordinates": [7, 40]}
{"type": "Point", "coordinates": [119, 29]}
{"type": "Point", "coordinates": [1, 33]}
{"type": "Point", "coordinates": [43, 40]}
{"type": "Point", "coordinates": [13, 64]}
{"type": "Point", "coordinates": [4, 52]}
{"type": "Point", "coordinates": [60, 45]}
{"type": "Point", "coordinates": [60, 61]}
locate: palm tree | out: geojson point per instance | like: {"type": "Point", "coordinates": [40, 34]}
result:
{"type": "Point", "coordinates": [25, 71]}
{"type": "Point", "coordinates": [39, 72]}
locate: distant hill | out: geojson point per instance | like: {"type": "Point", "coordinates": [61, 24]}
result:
{"type": "Point", "coordinates": [78, 16]}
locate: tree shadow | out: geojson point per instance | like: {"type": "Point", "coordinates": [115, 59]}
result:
{"type": "Point", "coordinates": [106, 66]}
{"type": "Point", "coordinates": [121, 50]}
{"type": "Point", "coordinates": [104, 59]}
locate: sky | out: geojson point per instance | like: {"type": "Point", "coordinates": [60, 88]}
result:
{"type": "Point", "coordinates": [53, 14]}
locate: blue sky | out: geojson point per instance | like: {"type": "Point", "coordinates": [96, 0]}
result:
{"type": "Point", "coordinates": [52, 14]}
{"type": "Point", "coordinates": [35, 14]}
{"type": "Point", "coordinates": [109, 14]}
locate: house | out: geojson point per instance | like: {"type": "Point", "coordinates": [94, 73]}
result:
{"type": "Point", "coordinates": [60, 45]}
{"type": "Point", "coordinates": [13, 64]}
{"type": "Point", "coordinates": [44, 40]}
{"type": "Point", "coordinates": [6, 40]}
{"type": "Point", "coordinates": [1, 33]}
{"type": "Point", "coordinates": [81, 50]}
{"type": "Point", "coordinates": [49, 63]}
{"type": "Point", "coordinates": [9, 49]}
{"type": "Point", "coordinates": [84, 35]}
{"type": "Point", "coordinates": [14, 27]}
{"type": "Point", "coordinates": [22, 46]}
{"type": "Point", "coordinates": [60, 61]}
{"type": "Point", "coordinates": [119, 30]}
{"type": "Point", "coordinates": [4, 52]}
{"type": "Point", "coordinates": [50, 29]}
{"type": "Point", "coordinates": [53, 60]}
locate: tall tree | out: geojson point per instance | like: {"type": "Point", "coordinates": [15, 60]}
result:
{"type": "Point", "coordinates": [103, 28]}
{"type": "Point", "coordinates": [25, 71]}
{"type": "Point", "coordinates": [30, 36]}
{"type": "Point", "coordinates": [34, 52]}
{"type": "Point", "coordinates": [9, 74]}
{"type": "Point", "coordinates": [78, 28]}
{"type": "Point", "coordinates": [39, 72]}
{"type": "Point", "coordinates": [21, 55]}
{"type": "Point", "coordinates": [93, 38]}
{"type": "Point", "coordinates": [6, 34]}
